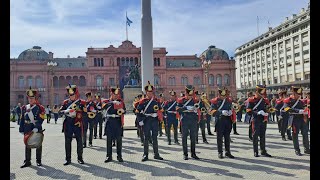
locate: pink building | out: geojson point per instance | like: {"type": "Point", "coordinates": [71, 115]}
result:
{"type": "Point", "coordinates": [104, 67]}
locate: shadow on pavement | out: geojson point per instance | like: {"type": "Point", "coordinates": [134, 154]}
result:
{"type": "Point", "coordinates": [104, 172]}
{"type": "Point", "coordinates": [51, 172]}
{"type": "Point", "coordinates": [192, 167]}
{"type": "Point", "coordinates": [12, 176]}
{"type": "Point", "coordinates": [157, 171]}
{"type": "Point", "coordinates": [255, 167]}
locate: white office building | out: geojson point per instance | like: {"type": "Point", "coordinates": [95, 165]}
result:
{"type": "Point", "coordinates": [278, 58]}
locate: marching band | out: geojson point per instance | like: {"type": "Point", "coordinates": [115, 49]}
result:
{"type": "Point", "coordinates": [191, 112]}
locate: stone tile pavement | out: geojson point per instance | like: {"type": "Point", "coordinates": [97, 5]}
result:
{"type": "Point", "coordinates": [283, 165]}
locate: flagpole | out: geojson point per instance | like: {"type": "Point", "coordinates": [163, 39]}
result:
{"type": "Point", "coordinates": [126, 26]}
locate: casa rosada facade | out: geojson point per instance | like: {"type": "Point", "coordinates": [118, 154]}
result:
{"type": "Point", "coordinates": [111, 66]}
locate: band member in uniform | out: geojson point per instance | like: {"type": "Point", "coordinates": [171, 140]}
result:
{"type": "Point", "coordinates": [115, 110]}
{"type": "Point", "coordinates": [236, 108]}
{"type": "Point", "coordinates": [295, 109]}
{"type": "Point", "coordinates": [170, 109]}
{"type": "Point", "coordinates": [248, 116]}
{"type": "Point", "coordinates": [307, 107]}
{"type": "Point", "coordinates": [208, 117]}
{"type": "Point", "coordinates": [221, 109]}
{"type": "Point", "coordinates": [162, 101]}
{"type": "Point", "coordinates": [190, 116]}
{"type": "Point", "coordinates": [73, 108]}
{"type": "Point", "coordinates": [136, 122]}
{"type": "Point", "coordinates": [257, 108]}
{"type": "Point", "coordinates": [98, 118]}
{"type": "Point", "coordinates": [150, 111]}
{"type": "Point", "coordinates": [282, 116]}
{"type": "Point", "coordinates": [89, 119]}
{"type": "Point", "coordinates": [182, 94]}
{"type": "Point", "coordinates": [32, 116]}
{"type": "Point", "coordinates": [203, 119]}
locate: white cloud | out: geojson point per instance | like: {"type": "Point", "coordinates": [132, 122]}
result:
{"type": "Point", "coordinates": [184, 29]}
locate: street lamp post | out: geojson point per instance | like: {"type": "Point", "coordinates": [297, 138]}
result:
{"type": "Point", "coordinates": [206, 65]}
{"type": "Point", "coordinates": [51, 66]}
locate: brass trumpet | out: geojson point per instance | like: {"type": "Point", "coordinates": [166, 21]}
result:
{"type": "Point", "coordinates": [236, 107]}
{"type": "Point", "coordinates": [272, 110]}
{"type": "Point", "coordinates": [203, 110]}
{"type": "Point", "coordinates": [155, 107]}
{"type": "Point", "coordinates": [196, 105]}
{"type": "Point", "coordinates": [120, 112]}
{"type": "Point", "coordinates": [74, 106]}
{"type": "Point", "coordinates": [91, 115]}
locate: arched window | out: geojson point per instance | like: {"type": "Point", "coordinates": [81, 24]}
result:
{"type": "Point", "coordinates": [75, 80]}
{"type": "Point", "coordinates": [158, 62]}
{"type": "Point", "coordinates": [38, 82]}
{"type": "Point", "coordinates": [95, 62]}
{"type": "Point", "coordinates": [99, 81]}
{"type": "Point", "coordinates": [131, 61]}
{"type": "Point", "coordinates": [21, 82]}
{"type": "Point", "coordinates": [29, 81]}
{"type": "Point", "coordinates": [136, 61]}
{"type": "Point", "coordinates": [82, 81]}
{"type": "Point", "coordinates": [211, 79]}
{"type": "Point", "coordinates": [184, 80]}
{"type": "Point", "coordinates": [62, 82]}
{"type": "Point", "coordinates": [101, 63]}
{"type": "Point", "coordinates": [172, 81]}
{"type": "Point", "coordinates": [118, 61]}
{"type": "Point", "coordinates": [69, 80]}
{"type": "Point", "coordinates": [127, 61]}
{"type": "Point", "coordinates": [156, 79]}
{"type": "Point", "coordinates": [219, 80]}
{"type": "Point", "coordinates": [196, 80]}
{"type": "Point", "coordinates": [123, 61]}
{"type": "Point", "coordinates": [154, 61]}
{"type": "Point", "coordinates": [55, 82]}
{"type": "Point", "coordinates": [226, 79]}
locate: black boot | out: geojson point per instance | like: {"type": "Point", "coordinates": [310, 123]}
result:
{"type": "Point", "coordinates": [80, 161]}
{"type": "Point", "coordinates": [25, 164]}
{"type": "Point", "coordinates": [144, 158]}
{"type": "Point", "coordinates": [177, 142]}
{"type": "Point", "coordinates": [119, 158]}
{"type": "Point", "coordinates": [39, 163]}
{"type": "Point", "coordinates": [284, 138]}
{"type": "Point", "coordinates": [229, 155]}
{"type": "Point", "coordinates": [236, 133]}
{"type": "Point", "coordinates": [298, 153]}
{"type": "Point", "coordinates": [307, 151]}
{"type": "Point", "coordinates": [220, 156]}
{"type": "Point", "coordinates": [185, 157]}
{"type": "Point", "coordinates": [264, 153]}
{"type": "Point", "coordinates": [194, 156]}
{"type": "Point", "coordinates": [157, 156]}
{"type": "Point", "coordinates": [205, 141]}
{"type": "Point", "coordinates": [67, 162]}
{"type": "Point", "coordinates": [109, 159]}
{"type": "Point", "coordinates": [256, 154]}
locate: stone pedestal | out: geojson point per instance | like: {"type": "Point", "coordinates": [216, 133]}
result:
{"type": "Point", "coordinates": [129, 92]}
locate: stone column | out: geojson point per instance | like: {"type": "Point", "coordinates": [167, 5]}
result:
{"type": "Point", "coordinates": [147, 69]}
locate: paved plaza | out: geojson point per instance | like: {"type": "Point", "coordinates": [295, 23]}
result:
{"type": "Point", "coordinates": [283, 165]}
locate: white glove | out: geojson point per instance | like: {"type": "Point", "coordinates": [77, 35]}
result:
{"type": "Point", "coordinates": [141, 123]}
{"type": "Point", "coordinates": [265, 114]}
{"type": "Point", "coordinates": [301, 111]}
{"type": "Point", "coordinates": [35, 130]}
{"type": "Point", "coordinates": [154, 115]}
{"type": "Point", "coordinates": [94, 111]}
{"type": "Point", "coordinates": [230, 112]}
{"type": "Point", "coordinates": [261, 112]}
{"type": "Point", "coordinates": [72, 114]}
{"type": "Point", "coordinates": [116, 102]}
{"type": "Point", "coordinates": [190, 107]}
{"type": "Point", "coordinates": [280, 117]}
{"type": "Point", "coordinates": [225, 112]}
{"type": "Point", "coordinates": [99, 107]}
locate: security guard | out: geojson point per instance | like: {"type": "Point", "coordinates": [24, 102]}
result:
{"type": "Point", "coordinates": [89, 119]}
{"type": "Point", "coordinates": [115, 110]}
{"type": "Point", "coordinates": [150, 111]}
{"type": "Point", "coordinates": [170, 109]}
{"type": "Point", "coordinates": [190, 116]}
{"type": "Point", "coordinates": [257, 108]}
{"type": "Point", "coordinates": [221, 109]}
{"type": "Point", "coordinates": [32, 116]}
{"type": "Point", "coordinates": [73, 108]}
{"type": "Point", "coordinates": [295, 109]}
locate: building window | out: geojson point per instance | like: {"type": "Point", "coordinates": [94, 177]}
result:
{"type": "Point", "coordinates": [21, 82]}
{"type": "Point", "coordinates": [227, 79]}
{"type": "Point", "coordinates": [101, 63]}
{"type": "Point", "coordinates": [30, 81]}
{"type": "Point", "coordinates": [196, 80]}
{"type": "Point", "coordinates": [95, 61]}
{"type": "Point", "coordinates": [82, 81]}
{"type": "Point", "coordinates": [289, 57]}
{"type": "Point", "coordinates": [307, 75]}
{"type": "Point", "coordinates": [123, 61]}
{"type": "Point", "coordinates": [118, 61]}
{"type": "Point", "coordinates": [306, 43]}
{"type": "Point", "coordinates": [156, 79]}
{"type": "Point", "coordinates": [296, 54]}
{"type": "Point", "coordinates": [99, 81]}
{"type": "Point", "coordinates": [211, 79]}
{"type": "Point", "coordinates": [288, 49]}
{"type": "Point", "coordinates": [172, 81]}
{"type": "Point", "coordinates": [38, 82]}
{"type": "Point", "coordinates": [275, 80]}
{"type": "Point", "coordinates": [219, 80]}
{"type": "Point", "coordinates": [111, 81]}
{"type": "Point", "coordinates": [82, 64]}
{"type": "Point", "coordinates": [136, 61]}
{"type": "Point", "coordinates": [304, 35]}
{"type": "Point", "coordinates": [70, 64]}
{"type": "Point", "coordinates": [184, 80]}
{"type": "Point", "coordinates": [305, 52]}
{"type": "Point", "coordinates": [306, 60]}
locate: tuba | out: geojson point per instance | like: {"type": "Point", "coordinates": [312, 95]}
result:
{"type": "Point", "coordinates": [155, 107]}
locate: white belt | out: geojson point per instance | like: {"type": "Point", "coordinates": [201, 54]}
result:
{"type": "Point", "coordinates": [175, 112]}
{"type": "Point", "coordinates": [152, 115]}
{"type": "Point", "coordinates": [112, 115]}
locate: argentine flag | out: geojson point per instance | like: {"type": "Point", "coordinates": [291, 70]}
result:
{"type": "Point", "coordinates": [128, 21]}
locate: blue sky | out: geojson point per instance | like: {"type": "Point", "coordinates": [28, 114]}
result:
{"type": "Point", "coordinates": [184, 27]}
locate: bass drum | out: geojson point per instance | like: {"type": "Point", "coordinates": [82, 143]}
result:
{"type": "Point", "coordinates": [33, 140]}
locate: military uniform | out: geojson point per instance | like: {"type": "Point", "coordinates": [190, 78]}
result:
{"type": "Point", "coordinates": [115, 110]}
{"type": "Point", "coordinates": [32, 116]}
{"type": "Point", "coordinates": [257, 108]}
{"type": "Point", "coordinates": [98, 118]}
{"type": "Point", "coordinates": [162, 103]}
{"type": "Point", "coordinates": [89, 119]}
{"type": "Point", "coordinates": [282, 117]}
{"type": "Point", "coordinates": [294, 107]}
{"type": "Point", "coordinates": [221, 109]}
{"type": "Point", "coordinates": [202, 122]}
{"type": "Point", "coordinates": [189, 117]}
{"type": "Point", "coordinates": [170, 109]}
{"type": "Point", "coordinates": [150, 113]}
{"type": "Point", "coordinates": [73, 108]}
